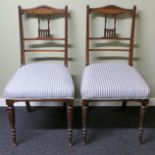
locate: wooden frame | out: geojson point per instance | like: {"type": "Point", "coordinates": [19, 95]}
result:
{"type": "Point", "coordinates": [41, 11]}
{"type": "Point", "coordinates": [114, 11]}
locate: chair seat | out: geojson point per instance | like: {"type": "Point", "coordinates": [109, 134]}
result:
{"type": "Point", "coordinates": [40, 81]}
{"type": "Point", "coordinates": [111, 81]}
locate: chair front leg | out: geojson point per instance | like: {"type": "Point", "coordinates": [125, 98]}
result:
{"type": "Point", "coordinates": [11, 116]}
{"type": "Point", "coordinates": [144, 104]}
{"type": "Point", "coordinates": [85, 120]}
{"type": "Point", "coordinates": [70, 120]}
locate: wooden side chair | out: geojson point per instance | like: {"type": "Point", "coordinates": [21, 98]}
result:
{"type": "Point", "coordinates": [41, 81]}
{"type": "Point", "coordinates": [112, 81]}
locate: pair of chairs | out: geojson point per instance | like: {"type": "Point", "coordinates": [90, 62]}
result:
{"type": "Point", "coordinates": [100, 81]}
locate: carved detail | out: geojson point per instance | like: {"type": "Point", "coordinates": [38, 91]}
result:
{"type": "Point", "coordinates": [110, 33]}
{"type": "Point", "coordinates": [44, 32]}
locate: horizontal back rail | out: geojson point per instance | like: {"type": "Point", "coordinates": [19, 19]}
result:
{"type": "Point", "coordinates": [109, 38]}
{"type": "Point", "coordinates": [109, 49]}
{"type": "Point", "coordinates": [43, 38]}
{"type": "Point", "coordinates": [31, 50]}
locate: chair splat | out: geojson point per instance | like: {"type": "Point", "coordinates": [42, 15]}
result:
{"type": "Point", "coordinates": [110, 32]}
{"type": "Point", "coordinates": [43, 32]}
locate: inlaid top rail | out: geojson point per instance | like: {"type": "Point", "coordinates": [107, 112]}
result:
{"type": "Point", "coordinates": [43, 10]}
{"type": "Point", "coordinates": [111, 9]}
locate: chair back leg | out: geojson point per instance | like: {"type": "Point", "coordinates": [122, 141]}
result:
{"type": "Point", "coordinates": [28, 106]}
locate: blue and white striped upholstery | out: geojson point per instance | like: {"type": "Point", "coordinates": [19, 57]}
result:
{"type": "Point", "coordinates": [40, 81]}
{"type": "Point", "coordinates": [112, 81]}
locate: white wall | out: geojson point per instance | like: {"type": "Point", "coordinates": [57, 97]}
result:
{"type": "Point", "coordinates": [9, 36]}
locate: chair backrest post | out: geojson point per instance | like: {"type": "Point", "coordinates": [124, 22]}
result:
{"type": "Point", "coordinates": [132, 37]}
{"type": "Point", "coordinates": [22, 55]}
{"type": "Point", "coordinates": [87, 36]}
{"type": "Point", "coordinates": [66, 36]}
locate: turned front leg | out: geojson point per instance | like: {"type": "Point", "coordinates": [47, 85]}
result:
{"type": "Point", "coordinates": [70, 121]}
{"type": "Point", "coordinates": [141, 124]}
{"type": "Point", "coordinates": [85, 120]}
{"type": "Point", "coordinates": [11, 116]}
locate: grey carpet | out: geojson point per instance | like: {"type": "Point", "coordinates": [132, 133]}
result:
{"type": "Point", "coordinates": [111, 132]}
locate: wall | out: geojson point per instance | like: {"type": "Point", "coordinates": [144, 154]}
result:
{"type": "Point", "coordinates": [9, 36]}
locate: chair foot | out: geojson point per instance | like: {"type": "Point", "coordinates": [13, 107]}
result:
{"type": "Point", "coordinates": [140, 136]}
{"type": "Point", "coordinates": [84, 136]}
{"type": "Point", "coordinates": [70, 121]}
{"type": "Point", "coordinates": [14, 144]}
{"type": "Point", "coordinates": [85, 120]}
{"type": "Point", "coordinates": [70, 144]}
{"type": "Point", "coordinates": [70, 137]}
{"type": "Point", "coordinates": [141, 124]}
{"type": "Point", "coordinates": [11, 116]}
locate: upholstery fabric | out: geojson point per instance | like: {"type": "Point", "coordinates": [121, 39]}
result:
{"type": "Point", "coordinates": [112, 81]}
{"type": "Point", "coordinates": [41, 81]}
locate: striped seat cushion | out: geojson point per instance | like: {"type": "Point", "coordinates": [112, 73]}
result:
{"type": "Point", "coordinates": [40, 81]}
{"type": "Point", "coordinates": [112, 81]}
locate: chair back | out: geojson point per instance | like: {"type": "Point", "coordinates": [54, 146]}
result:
{"type": "Point", "coordinates": [112, 39]}
{"type": "Point", "coordinates": [44, 37]}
